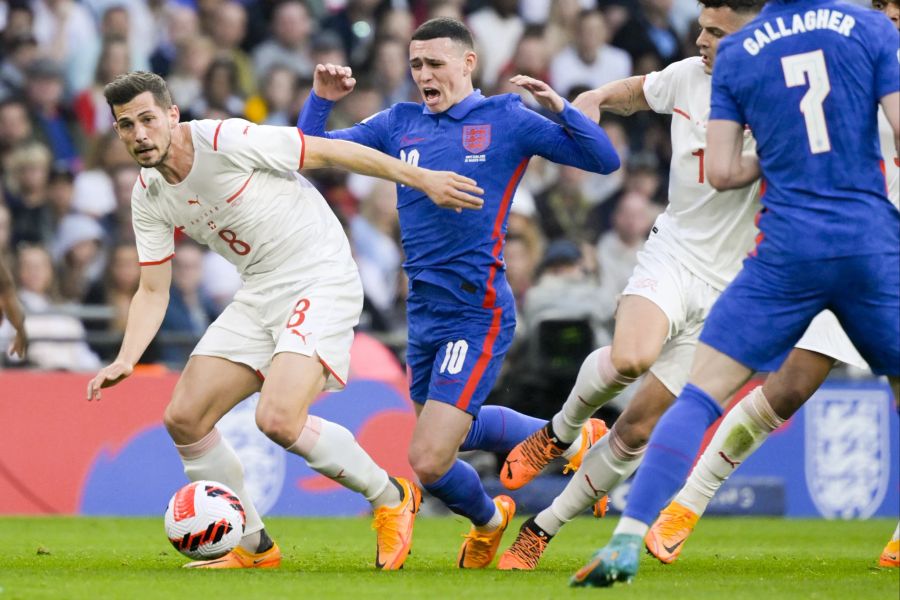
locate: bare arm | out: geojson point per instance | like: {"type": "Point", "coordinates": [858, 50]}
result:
{"type": "Point", "coordinates": [12, 310]}
{"type": "Point", "coordinates": [622, 97]}
{"type": "Point", "coordinates": [445, 188]}
{"type": "Point", "coordinates": [891, 106]}
{"type": "Point", "coordinates": [727, 168]}
{"type": "Point", "coordinates": [145, 315]}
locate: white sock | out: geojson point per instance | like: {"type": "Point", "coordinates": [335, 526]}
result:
{"type": "Point", "coordinates": [741, 432]}
{"type": "Point", "coordinates": [332, 451]}
{"type": "Point", "coordinates": [214, 459]}
{"type": "Point", "coordinates": [493, 524]}
{"type": "Point", "coordinates": [605, 466]}
{"type": "Point", "coordinates": [896, 535]}
{"type": "Point", "coordinates": [629, 526]}
{"type": "Point", "coordinates": [597, 383]}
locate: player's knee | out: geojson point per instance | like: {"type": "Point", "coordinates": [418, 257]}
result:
{"type": "Point", "coordinates": [632, 361]}
{"type": "Point", "coordinates": [279, 425]}
{"type": "Point", "coordinates": [183, 423]}
{"type": "Point", "coordinates": [427, 463]}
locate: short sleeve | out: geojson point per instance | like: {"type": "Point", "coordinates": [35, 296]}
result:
{"type": "Point", "coordinates": [155, 239]}
{"type": "Point", "coordinates": [660, 87]}
{"type": "Point", "coordinates": [887, 65]}
{"type": "Point", "coordinates": [723, 103]}
{"type": "Point", "coordinates": [259, 146]}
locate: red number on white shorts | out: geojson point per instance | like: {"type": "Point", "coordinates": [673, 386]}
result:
{"type": "Point", "coordinates": [299, 315]}
{"type": "Point", "coordinates": [237, 246]}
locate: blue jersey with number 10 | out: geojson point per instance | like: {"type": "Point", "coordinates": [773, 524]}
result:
{"type": "Point", "coordinates": [806, 76]}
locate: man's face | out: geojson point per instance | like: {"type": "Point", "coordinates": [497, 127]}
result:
{"type": "Point", "coordinates": [890, 9]}
{"type": "Point", "coordinates": [442, 70]}
{"type": "Point", "coordinates": [716, 23]}
{"type": "Point", "coordinates": [146, 128]}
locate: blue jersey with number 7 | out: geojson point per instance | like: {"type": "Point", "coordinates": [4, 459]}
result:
{"type": "Point", "coordinates": [807, 76]}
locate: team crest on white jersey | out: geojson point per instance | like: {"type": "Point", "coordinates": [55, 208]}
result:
{"type": "Point", "coordinates": [847, 451]}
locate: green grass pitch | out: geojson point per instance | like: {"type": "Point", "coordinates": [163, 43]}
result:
{"type": "Point", "coordinates": [762, 559]}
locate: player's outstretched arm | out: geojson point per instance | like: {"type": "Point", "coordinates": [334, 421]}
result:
{"type": "Point", "coordinates": [145, 315]}
{"type": "Point", "coordinates": [727, 168]}
{"type": "Point", "coordinates": [12, 310]}
{"type": "Point", "coordinates": [445, 188]}
{"type": "Point", "coordinates": [623, 97]}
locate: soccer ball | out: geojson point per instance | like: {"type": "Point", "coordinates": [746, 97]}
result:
{"type": "Point", "coordinates": [205, 520]}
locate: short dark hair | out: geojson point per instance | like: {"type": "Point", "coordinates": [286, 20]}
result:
{"type": "Point", "coordinates": [444, 27]}
{"type": "Point", "coordinates": [738, 6]}
{"type": "Point", "coordinates": [126, 87]}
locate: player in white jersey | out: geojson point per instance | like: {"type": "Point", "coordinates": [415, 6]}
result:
{"type": "Point", "coordinates": [233, 185]}
{"type": "Point", "coordinates": [750, 422]}
{"type": "Point", "coordinates": [695, 249]}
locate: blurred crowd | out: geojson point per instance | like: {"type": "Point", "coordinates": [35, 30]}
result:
{"type": "Point", "coordinates": [66, 180]}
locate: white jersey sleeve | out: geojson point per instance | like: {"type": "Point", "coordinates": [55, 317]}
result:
{"type": "Point", "coordinates": [154, 237]}
{"type": "Point", "coordinates": [661, 87]}
{"type": "Point", "coordinates": [891, 159]}
{"type": "Point", "coordinates": [259, 146]}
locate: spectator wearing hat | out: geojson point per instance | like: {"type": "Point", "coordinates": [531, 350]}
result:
{"type": "Point", "coordinates": [78, 251]}
{"type": "Point", "coordinates": [55, 123]}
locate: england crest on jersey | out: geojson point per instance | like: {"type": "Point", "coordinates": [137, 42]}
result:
{"type": "Point", "coordinates": [476, 138]}
{"type": "Point", "coordinates": [848, 451]}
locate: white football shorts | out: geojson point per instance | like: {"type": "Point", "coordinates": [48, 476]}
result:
{"type": "Point", "coordinates": [309, 317]}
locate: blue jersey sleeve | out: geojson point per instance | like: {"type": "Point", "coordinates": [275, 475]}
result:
{"type": "Point", "coordinates": [580, 143]}
{"type": "Point", "coordinates": [723, 105]}
{"type": "Point", "coordinates": [887, 62]}
{"type": "Point", "coordinates": [373, 132]}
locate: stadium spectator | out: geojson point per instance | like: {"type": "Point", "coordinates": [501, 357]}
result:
{"type": "Point", "coordinates": [289, 45]}
{"type": "Point", "coordinates": [116, 22]}
{"type": "Point", "coordinates": [391, 73]}
{"type": "Point", "coordinates": [396, 23]}
{"type": "Point", "coordinates": [192, 61]}
{"type": "Point", "coordinates": [355, 27]}
{"type": "Point", "coordinates": [26, 179]}
{"type": "Point", "coordinates": [617, 249]}
{"type": "Point", "coordinates": [115, 290]}
{"type": "Point", "coordinates": [68, 34]}
{"type": "Point", "coordinates": [649, 35]}
{"type": "Point", "coordinates": [497, 29]}
{"type": "Point", "coordinates": [220, 92]}
{"type": "Point", "coordinates": [565, 211]}
{"type": "Point", "coordinates": [530, 58]}
{"type": "Point", "coordinates": [15, 128]}
{"type": "Point", "coordinates": [54, 120]}
{"type": "Point", "coordinates": [57, 339]}
{"type": "Point", "coordinates": [590, 60]}
{"type": "Point", "coordinates": [78, 252]}
{"type": "Point", "coordinates": [181, 25]}
{"type": "Point", "coordinates": [18, 53]}
{"type": "Point", "coordinates": [89, 106]}
{"type": "Point", "coordinates": [190, 310]}
{"type": "Point", "coordinates": [94, 194]}
{"type": "Point", "coordinates": [229, 28]}
{"type": "Point", "coordinates": [275, 103]}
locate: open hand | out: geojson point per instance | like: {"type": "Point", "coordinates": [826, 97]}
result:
{"type": "Point", "coordinates": [545, 95]}
{"type": "Point", "coordinates": [333, 82]}
{"type": "Point", "coordinates": [450, 190]}
{"type": "Point", "coordinates": [108, 376]}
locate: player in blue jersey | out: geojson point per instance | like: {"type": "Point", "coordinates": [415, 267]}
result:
{"type": "Point", "coordinates": [807, 76]}
{"type": "Point", "coordinates": [461, 311]}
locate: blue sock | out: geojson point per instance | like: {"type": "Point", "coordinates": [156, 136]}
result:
{"type": "Point", "coordinates": [671, 452]}
{"type": "Point", "coordinates": [461, 490]}
{"type": "Point", "coordinates": [499, 429]}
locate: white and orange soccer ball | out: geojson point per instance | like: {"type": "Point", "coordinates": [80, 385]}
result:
{"type": "Point", "coordinates": [205, 520]}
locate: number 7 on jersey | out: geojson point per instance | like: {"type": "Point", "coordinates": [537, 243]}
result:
{"type": "Point", "coordinates": [809, 68]}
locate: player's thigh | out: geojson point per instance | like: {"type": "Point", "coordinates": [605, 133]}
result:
{"type": "Point", "coordinates": [653, 307]}
{"type": "Point", "coordinates": [640, 416]}
{"type": "Point", "coordinates": [868, 308]}
{"type": "Point", "coordinates": [796, 381]}
{"type": "Point", "coordinates": [292, 384]}
{"type": "Point", "coordinates": [440, 430]}
{"type": "Point", "coordinates": [673, 367]}
{"type": "Point", "coordinates": [208, 388]}
{"type": "Point", "coordinates": [469, 351]}
{"type": "Point", "coordinates": [760, 316]}
{"type": "Point", "coordinates": [717, 374]}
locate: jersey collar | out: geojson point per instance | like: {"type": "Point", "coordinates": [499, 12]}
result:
{"type": "Point", "coordinates": [461, 108]}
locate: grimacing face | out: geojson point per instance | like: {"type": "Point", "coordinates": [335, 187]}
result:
{"type": "Point", "coordinates": [716, 23]}
{"type": "Point", "coordinates": [890, 8]}
{"type": "Point", "coordinates": [146, 128]}
{"type": "Point", "coordinates": [442, 70]}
